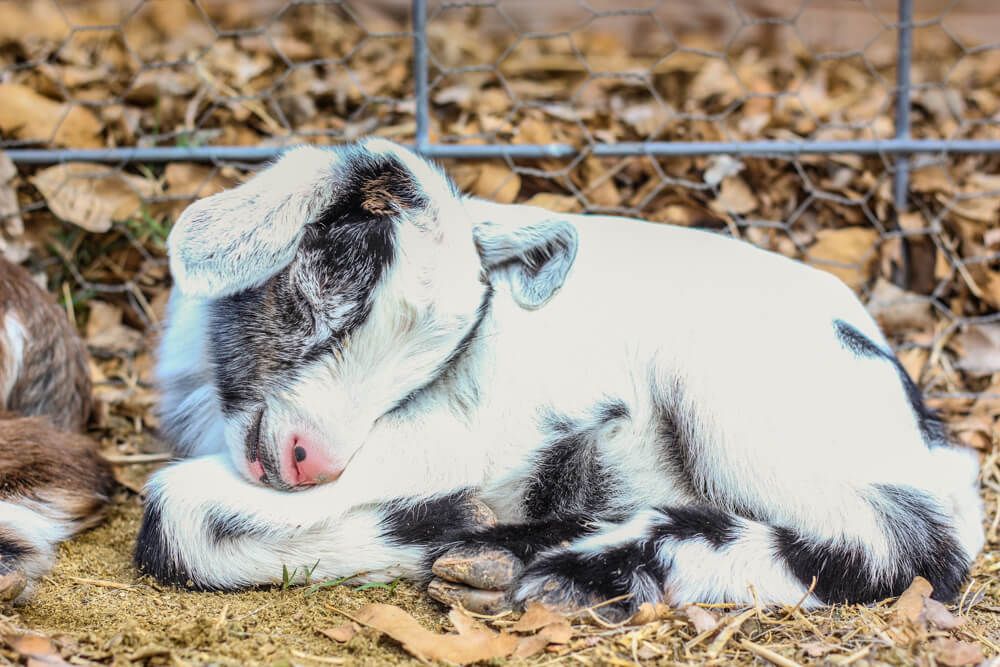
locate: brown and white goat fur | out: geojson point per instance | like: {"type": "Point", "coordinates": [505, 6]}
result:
{"type": "Point", "coordinates": [53, 483]}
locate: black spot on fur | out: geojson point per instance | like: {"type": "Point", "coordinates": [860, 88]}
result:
{"type": "Point", "coordinates": [153, 554]}
{"type": "Point", "coordinates": [677, 438]}
{"type": "Point", "coordinates": [585, 579]}
{"type": "Point", "coordinates": [689, 522]}
{"type": "Point", "coordinates": [569, 477]}
{"type": "Point", "coordinates": [923, 534]}
{"type": "Point", "coordinates": [845, 572]}
{"type": "Point", "coordinates": [223, 527]}
{"type": "Point", "coordinates": [327, 291]}
{"type": "Point", "coordinates": [613, 410]}
{"type": "Point", "coordinates": [524, 540]}
{"type": "Point", "coordinates": [413, 522]}
{"type": "Point", "coordinates": [930, 423]}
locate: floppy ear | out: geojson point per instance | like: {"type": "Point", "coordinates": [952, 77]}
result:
{"type": "Point", "coordinates": [239, 238]}
{"type": "Point", "coordinates": [533, 258]}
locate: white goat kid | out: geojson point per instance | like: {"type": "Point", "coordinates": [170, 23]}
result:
{"type": "Point", "coordinates": [531, 405]}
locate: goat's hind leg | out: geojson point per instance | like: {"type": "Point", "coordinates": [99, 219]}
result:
{"type": "Point", "coordinates": [53, 484]}
{"type": "Point", "coordinates": [700, 553]}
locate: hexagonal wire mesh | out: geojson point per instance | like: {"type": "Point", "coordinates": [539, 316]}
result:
{"type": "Point", "coordinates": [854, 136]}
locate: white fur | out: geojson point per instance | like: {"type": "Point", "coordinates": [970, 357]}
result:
{"type": "Point", "coordinates": [12, 338]}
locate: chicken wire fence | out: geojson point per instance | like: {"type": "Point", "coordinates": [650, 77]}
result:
{"type": "Point", "coordinates": [862, 137]}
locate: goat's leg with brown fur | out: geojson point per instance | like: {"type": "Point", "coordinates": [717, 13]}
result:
{"type": "Point", "coordinates": [53, 483]}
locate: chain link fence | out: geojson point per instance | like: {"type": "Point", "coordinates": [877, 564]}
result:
{"type": "Point", "coordinates": [862, 137]}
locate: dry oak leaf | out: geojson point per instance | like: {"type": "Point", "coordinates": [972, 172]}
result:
{"type": "Point", "coordinates": [341, 633]}
{"type": "Point", "coordinates": [734, 197]}
{"type": "Point", "coordinates": [910, 604]}
{"type": "Point", "coordinates": [28, 116]}
{"type": "Point", "coordinates": [979, 348]}
{"type": "Point", "coordinates": [955, 653]}
{"type": "Point", "coordinates": [35, 649]}
{"type": "Point", "coordinates": [473, 643]}
{"type": "Point", "coordinates": [90, 195]}
{"type": "Point", "coordinates": [846, 253]}
{"type": "Point", "coordinates": [702, 619]}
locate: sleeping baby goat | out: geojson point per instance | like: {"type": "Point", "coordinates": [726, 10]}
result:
{"type": "Point", "coordinates": [53, 483]}
{"type": "Point", "coordinates": [372, 372]}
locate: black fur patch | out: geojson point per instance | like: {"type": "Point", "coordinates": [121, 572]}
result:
{"type": "Point", "coordinates": [582, 580]}
{"type": "Point", "coordinates": [153, 554]}
{"type": "Point", "coordinates": [930, 423]}
{"type": "Point", "coordinates": [844, 572]}
{"type": "Point", "coordinates": [525, 540]}
{"type": "Point", "coordinates": [678, 443]}
{"type": "Point", "coordinates": [923, 534]}
{"type": "Point", "coordinates": [417, 522]}
{"type": "Point", "coordinates": [323, 295]}
{"type": "Point", "coordinates": [613, 410]}
{"type": "Point", "coordinates": [225, 527]}
{"type": "Point", "coordinates": [569, 477]}
{"type": "Point", "coordinates": [689, 522]}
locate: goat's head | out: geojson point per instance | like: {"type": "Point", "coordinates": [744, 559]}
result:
{"type": "Point", "coordinates": [338, 282]}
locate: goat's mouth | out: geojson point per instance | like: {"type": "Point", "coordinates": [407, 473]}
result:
{"type": "Point", "coordinates": [261, 468]}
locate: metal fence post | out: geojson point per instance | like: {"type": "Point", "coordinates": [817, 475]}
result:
{"type": "Point", "coordinates": [901, 177]}
{"type": "Point", "coordinates": [420, 57]}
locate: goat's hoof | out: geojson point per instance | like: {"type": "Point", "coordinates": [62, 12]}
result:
{"type": "Point", "coordinates": [472, 599]}
{"type": "Point", "coordinates": [486, 568]}
{"type": "Point", "coordinates": [480, 513]}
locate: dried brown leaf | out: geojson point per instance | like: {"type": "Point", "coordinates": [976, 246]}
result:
{"type": "Point", "coordinates": [27, 115]}
{"type": "Point", "coordinates": [91, 195]}
{"type": "Point", "coordinates": [702, 619]}
{"type": "Point", "coordinates": [846, 253]}
{"type": "Point", "coordinates": [734, 197]}
{"type": "Point", "coordinates": [955, 653]}
{"type": "Point", "coordinates": [940, 617]}
{"type": "Point", "coordinates": [979, 348]}
{"type": "Point", "coordinates": [537, 616]}
{"type": "Point", "coordinates": [35, 649]}
{"type": "Point", "coordinates": [896, 309]}
{"type": "Point", "coordinates": [341, 633]}
{"type": "Point", "coordinates": [910, 604]}
{"type": "Point", "coordinates": [475, 644]}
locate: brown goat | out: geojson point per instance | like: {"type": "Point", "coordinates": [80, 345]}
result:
{"type": "Point", "coordinates": [53, 483]}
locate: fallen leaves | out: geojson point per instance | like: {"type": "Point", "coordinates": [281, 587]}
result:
{"type": "Point", "coordinates": [35, 649]}
{"type": "Point", "coordinates": [27, 115]}
{"type": "Point", "coordinates": [847, 253]}
{"type": "Point", "coordinates": [915, 614]}
{"type": "Point", "coordinates": [472, 642]}
{"type": "Point", "coordinates": [92, 196]}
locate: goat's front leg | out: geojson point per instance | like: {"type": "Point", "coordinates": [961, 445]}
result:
{"type": "Point", "coordinates": [206, 528]}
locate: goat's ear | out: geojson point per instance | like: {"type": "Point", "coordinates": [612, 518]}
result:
{"type": "Point", "coordinates": [239, 238]}
{"type": "Point", "coordinates": [533, 258]}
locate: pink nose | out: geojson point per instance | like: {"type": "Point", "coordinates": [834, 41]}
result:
{"type": "Point", "coordinates": [305, 463]}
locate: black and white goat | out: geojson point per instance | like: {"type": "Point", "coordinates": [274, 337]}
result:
{"type": "Point", "coordinates": [53, 483]}
{"type": "Point", "coordinates": [531, 405]}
